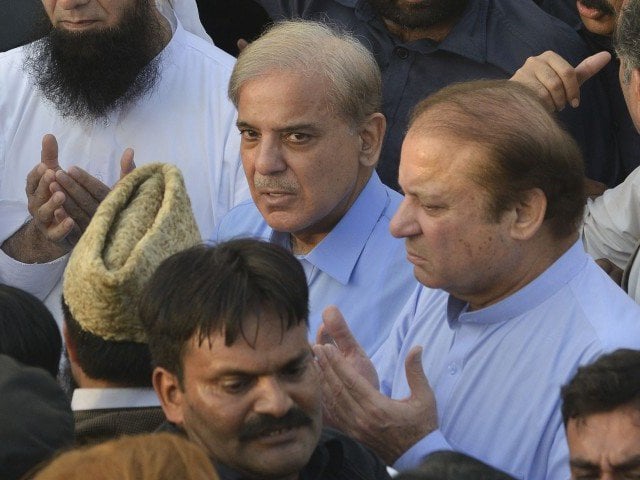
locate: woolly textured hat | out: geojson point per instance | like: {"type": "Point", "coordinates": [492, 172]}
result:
{"type": "Point", "coordinates": [146, 218]}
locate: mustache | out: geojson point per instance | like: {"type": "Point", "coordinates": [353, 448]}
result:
{"type": "Point", "coordinates": [602, 5]}
{"type": "Point", "coordinates": [263, 424]}
{"type": "Point", "coordinates": [274, 183]}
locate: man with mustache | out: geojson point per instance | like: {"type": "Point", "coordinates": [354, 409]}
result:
{"type": "Point", "coordinates": [424, 45]}
{"type": "Point", "coordinates": [597, 15]}
{"type": "Point", "coordinates": [234, 370]}
{"type": "Point", "coordinates": [111, 76]}
{"type": "Point", "coordinates": [310, 164]}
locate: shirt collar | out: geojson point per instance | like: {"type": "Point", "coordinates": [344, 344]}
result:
{"type": "Point", "coordinates": [107, 398]}
{"type": "Point", "coordinates": [338, 252]}
{"type": "Point", "coordinates": [561, 272]}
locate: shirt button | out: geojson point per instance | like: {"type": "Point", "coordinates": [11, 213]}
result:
{"type": "Point", "coordinates": [401, 52]}
{"type": "Point", "coordinates": [453, 369]}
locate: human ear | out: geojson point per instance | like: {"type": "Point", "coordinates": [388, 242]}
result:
{"type": "Point", "coordinates": [371, 134]}
{"type": "Point", "coordinates": [170, 394]}
{"type": "Point", "coordinates": [529, 215]}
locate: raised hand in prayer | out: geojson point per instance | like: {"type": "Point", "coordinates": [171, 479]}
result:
{"type": "Point", "coordinates": [351, 399]}
{"type": "Point", "coordinates": [61, 204]}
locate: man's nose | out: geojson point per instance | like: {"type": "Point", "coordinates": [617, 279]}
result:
{"type": "Point", "coordinates": [269, 158]}
{"type": "Point", "coordinates": [272, 399]}
{"type": "Point", "coordinates": [71, 4]}
{"type": "Point", "coordinates": [403, 223]}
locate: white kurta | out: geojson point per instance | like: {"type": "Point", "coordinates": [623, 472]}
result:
{"type": "Point", "coordinates": [612, 230]}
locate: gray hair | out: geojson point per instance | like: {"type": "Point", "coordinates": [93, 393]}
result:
{"type": "Point", "coordinates": [627, 37]}
{"type": "Point", "coordinates": [315, 49]}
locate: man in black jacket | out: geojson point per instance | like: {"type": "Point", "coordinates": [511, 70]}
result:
{"type": "Point", "coordinates": [234, 370]}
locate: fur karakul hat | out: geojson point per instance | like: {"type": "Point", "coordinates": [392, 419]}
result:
{"type": "Point", "coordinates": [146, 218]}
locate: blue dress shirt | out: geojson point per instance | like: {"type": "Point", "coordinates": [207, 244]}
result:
{"type": "Point", "coordinates": [358, 266]}
{"type": "Point", "coordinates": [492, 39]}
{"type": "Point", "coordinates": [497, 372]}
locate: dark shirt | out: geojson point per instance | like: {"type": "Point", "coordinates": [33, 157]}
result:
{"type": "Point", "coordinates": [337, 457]}
{"type": "Point", "coordinates": [565, 10]}
{"type": "Point", "coordinates": [622, 139]}
{"type": "Point", "coordinates": [95, 426]}
{"type": "Point", "coordinates": [492, 39]}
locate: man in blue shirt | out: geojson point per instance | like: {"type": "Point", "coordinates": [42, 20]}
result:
{"type": "Point", "coordinates": [493, 200]}
{"type": "Point", "coordinates": [310, 164]}
{"type": "Point", "coordinates": [455, 41]}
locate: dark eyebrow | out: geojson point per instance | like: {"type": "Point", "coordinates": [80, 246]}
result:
{"type": "Point", "coordinates": [299, 360]}
{"type": "Point", "coordinates": [287, 128]}
{"type": "Point", "coordinates": [630, 464]}
{"type": "Point", "coordinates": [583, 464]}
{"type": "Point", "coordinates": [236, 372]}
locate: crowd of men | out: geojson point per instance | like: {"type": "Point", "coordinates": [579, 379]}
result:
{"type": "Point", "coordinates": [368, 243]}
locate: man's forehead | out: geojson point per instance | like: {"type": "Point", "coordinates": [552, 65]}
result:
{"type": "Point", "coordinates": [288, 92]}
{"type": "Point", "coordinates": [241, 357]}
{"type": "Point", "coordinates": [253, 337]}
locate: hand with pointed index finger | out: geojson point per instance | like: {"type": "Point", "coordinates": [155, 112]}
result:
{"type": "Point", "coordinates": [557, 82]}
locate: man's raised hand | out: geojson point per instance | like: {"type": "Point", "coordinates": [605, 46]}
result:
{"type": "Point", "coordinates": [354, 405]}
{"type": "Point", "coordinates": [555, 81]}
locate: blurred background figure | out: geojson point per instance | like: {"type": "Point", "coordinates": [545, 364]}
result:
{"type": "Point", "coordinates": [157, 456]}
{"type": "Point", "coordinates": [28, 331]}
{"type": "Point", "coordinates": [22, 21]}
{"type": "Point", "coordinates": [35, 418]}
{"type": "Point", "coordinates": [227, 21]}
{"type": "Point", "coordinates": [447, 465]}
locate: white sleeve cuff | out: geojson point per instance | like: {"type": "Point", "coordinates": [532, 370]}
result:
{"type": "Point", "coordinates": [38, 279]}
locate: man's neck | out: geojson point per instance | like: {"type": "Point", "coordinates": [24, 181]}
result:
{"type": "Point", "coordinates": [305, 241]}
{"type": "Point", "coordinates": [437, 32]}
{"type": "Point", "coordinates": [165, 29]}
{"type": "Point", "coordinates": [539, 256]}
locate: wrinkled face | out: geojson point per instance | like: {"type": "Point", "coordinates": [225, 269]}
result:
{"type": "Point", "coordinates": [605, 446]}
{"type": "Point", "coordinates": [255, 409]}
{"type": "Point", "coordinates": [630, 85]}
{"type": "Point", "coordinates": [599, 16]}
{"type": "Point", "coordinates": [80, 16]}
{"type": "Point", "coordinates": [415, 14]}
{"type": "Point", "coordinates": [450, 237]}
{"type": "Point", "coordinates": [301, 158]}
